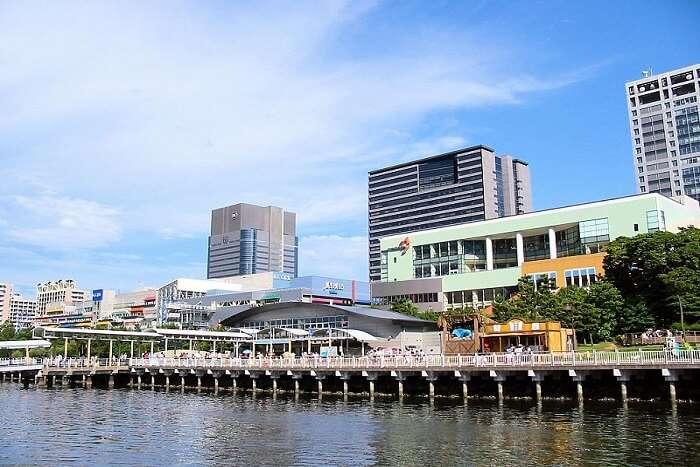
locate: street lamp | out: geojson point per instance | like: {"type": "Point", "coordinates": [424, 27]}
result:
{"type": "Point", "coordinates": [569, 309]}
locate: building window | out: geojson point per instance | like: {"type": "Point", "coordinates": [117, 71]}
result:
{"type": "Point", "coordinates": [643, 189]}
{"type": "Point", "coordinates": [641, 179]}
{"type": "Point", "coordinates": [656, 221]}
{"type": "Point", "coordinates": [636, 227]}
{"type": "Point", "coordinates": [580, 277]}
{"type": "Point", "coordinates": [595, 235]}
{"type": "Point", "coordinates": [641, 169]}
{"type": "Point", "coordinates": [639, 160]}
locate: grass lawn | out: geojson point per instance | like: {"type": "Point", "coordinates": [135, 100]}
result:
{"type": "Point", "coordinates": [610, 346]}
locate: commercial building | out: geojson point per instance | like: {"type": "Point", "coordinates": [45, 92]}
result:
{"type": "Point", "coordinates": [181, 289]}
{"type": "Point", "coordinates": [135, 310]}
{"type": "Point", "coordinates": [210, 310]}
{"type": "Point", "coordinates": [58, 292]}
{"type": "Point", "coordinates": [249, 239]}
{"type": "Point", "coordinates": [468, 265]}
{"type": "Point", "coordinates": [467, 185]}
{"type": "Point", "coordinates": [22, 311]}
{"type": "Point", "coordinates": [665, 131]}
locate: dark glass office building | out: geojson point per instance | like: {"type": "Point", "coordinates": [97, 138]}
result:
{"type": "Point", "coordinates": [467, 185]}
{"type": "Point", "coordinates": [248, 239]}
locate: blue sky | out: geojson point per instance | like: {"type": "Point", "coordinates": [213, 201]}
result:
{"type": "Point", "coordinates": [123, 124]}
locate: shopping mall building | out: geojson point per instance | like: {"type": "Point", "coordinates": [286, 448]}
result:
{"type": "Point", "coordinates": [469, 265]}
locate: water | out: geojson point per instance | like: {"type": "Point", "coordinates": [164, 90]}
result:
{"type": "Point", "coordinates": [130, 427]}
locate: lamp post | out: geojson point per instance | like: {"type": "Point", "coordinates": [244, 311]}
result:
{"type": "Point", "coordinates": [569, 309]}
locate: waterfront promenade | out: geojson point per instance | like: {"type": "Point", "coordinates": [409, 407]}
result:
{"type": "Point", "coordinates": [530, 375]}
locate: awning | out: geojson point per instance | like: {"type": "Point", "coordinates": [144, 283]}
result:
{"type": "Point", "coordinates": [29, 344]}
{"type": "Point", "coordinates": [523, 334]}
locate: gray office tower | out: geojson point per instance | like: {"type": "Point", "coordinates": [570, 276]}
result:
{"type": "Point", "coordinates": [247, 239]}
{"type": "Point", "coordinates": [467, 185]}
{"type": "Point", "coordinates": [665, 130]}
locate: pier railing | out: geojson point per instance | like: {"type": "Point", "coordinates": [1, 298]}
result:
{"type": "Point", "coordinates": [641, 358]}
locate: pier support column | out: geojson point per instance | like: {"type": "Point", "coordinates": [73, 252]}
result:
{"type": "Point", "coordinates": [345, 387]}
{"type": "Point", "coordinates": [199, 383]}
{"type": "Point", "coordinates": [3, 377]}
{"type": "Point", "coordinates": [320, 387]}
{"type": "Point", "coordinates": [138, 381]}
{"type": "Point", "coordinates": [234, 383]}
{"type": "Point", "coordinates": [371, 377]}
{"type": "Point", "coordinates": [216, 384]}
{"type": "Point", "coordinates": [131, 381]}
{"type": "Point", "coordinates": [88, 382]}
{"type": "Point", "coordinates": [464, 377]}
{"type": "Point", "coordinates": [500, 377]}
{"type": "Point", "coordinates": [371, 389]}
{"type": "Point", "coordinates": [623, 377]}
{"type": "Point", "coordinates": [167, 382]}
{"type": "Point", "coordinates": [182, 382]}
{"type": "Point", "coordinates": [40, 381]}
{"type": "Point", "coordinates": [65, 381]}
{"type": "Point", "coordinates": [578, 376]}
{"type": "Point", "coordinates": [296, 386]}
{"type": "Point", "coordinates": [255, 385]}
{"type": "Point", "coordinates": [400, 377]}
{"type": "Point", "coordinates": [110, 381]}
{"type": "Point", "coordinates": [53, 380]}
{"type": "Point", "coordinates": [671, 376]}
{"type": "Point", "coordinates": [431, 377]}
{"type": "Point", "coordinates": [84, 381]}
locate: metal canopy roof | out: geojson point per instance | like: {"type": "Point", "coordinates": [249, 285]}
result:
{"type": "Point", "coordinates": [201, 335]}
{"type": "Point", "coordinates": [360, 336]}
{"type": "Point", "coordinates": [31, 344]}
{"type": "Point", "coordinates": [95, 333]}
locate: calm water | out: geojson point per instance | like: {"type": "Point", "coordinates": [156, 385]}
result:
{"type": "Point", "coordinates": [129, 427]}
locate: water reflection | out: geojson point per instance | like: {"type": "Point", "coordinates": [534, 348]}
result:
{"type": "Point", "coordinates": [130, 427]}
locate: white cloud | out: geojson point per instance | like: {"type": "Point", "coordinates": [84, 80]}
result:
{"type": "Point", "coordinates": [334, 256]}
{"type": "Point", "coordinates": [150, 116]}
{"type": "Point", "coordinates": [62, 223]}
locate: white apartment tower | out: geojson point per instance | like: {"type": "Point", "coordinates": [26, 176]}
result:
{"type": "Point", "coordinates": [22, 311]}
{"type": "Point", "coordinates": [665, 130]}
{"type": "Point", "coordinates": [58, 292]}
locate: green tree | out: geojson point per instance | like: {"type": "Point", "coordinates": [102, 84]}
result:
{"type": "Point", "coordinates": [407, 307]}
{"type": "Point", "coordinates": [655, 270]}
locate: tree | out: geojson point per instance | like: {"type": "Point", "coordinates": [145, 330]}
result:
{"type": "Point", "coordinates": [406, 307]}
{"type": "Point", "coordinates": [654, 271]}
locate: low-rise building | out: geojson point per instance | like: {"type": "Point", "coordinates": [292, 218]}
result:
{"type": "Point", "coordinates": [181, 289]}
{"type": "Point", "coordinates": [468, 266]}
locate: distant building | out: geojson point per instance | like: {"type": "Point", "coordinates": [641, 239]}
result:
{"type": "Point", "coordinates": [5, 296]}
{"type": "Point", "coordinates": [135, 309]}
{"type": "Point", "coordinates": [181, 289]}
{"type": "Point", "coordinates": [22, 311]}
{"type": "Point", "coordinates": [665, 130]}
{"type": "Point", "coordinates": [249, 239]}
{"type": "Point", "coordinates": [58, 292]}
{"type": "Point", "coordinates": [468, 185]}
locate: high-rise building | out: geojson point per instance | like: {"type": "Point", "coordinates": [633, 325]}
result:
{"type": "Point", "coordinates": [22, 311]}
{"type": "Point", "coordinates": [5, 297]}
{"type": "Point", "coordinates": [665, 130]}
{"type": "Point", "coordinates": [467, 185]}
{"type": "Point", "coordinates": [61, 292]}
{"type": "Point", "coordinates": [248, 239]}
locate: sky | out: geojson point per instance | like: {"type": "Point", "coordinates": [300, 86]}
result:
{"type": "Point", "coordinates": [123, 124]}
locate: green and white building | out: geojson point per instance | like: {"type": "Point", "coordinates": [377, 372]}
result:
{"type": "Point", "coordinates": [468, 265]}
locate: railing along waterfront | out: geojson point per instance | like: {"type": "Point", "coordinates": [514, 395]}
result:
{"type": "Point", "coordinates": [641, 358]}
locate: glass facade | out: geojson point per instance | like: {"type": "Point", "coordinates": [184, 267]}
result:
{"type": "Point", "coordinates": [309, 324]}
{"type": "Point", "coordinates": [505, 254]}
{"type": "Point", "coordinates": [691, 181]}
{"type": "Point", "coordinates": [477, 298]}
{"type": "Point", "coordinates": [436, 173]}
{"type": "Point", "coordinates": [445, 258]}
{"type": "Point", "coordinates": [595, 235]}
{"type": "Point", "coordinates": [688, 128]}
